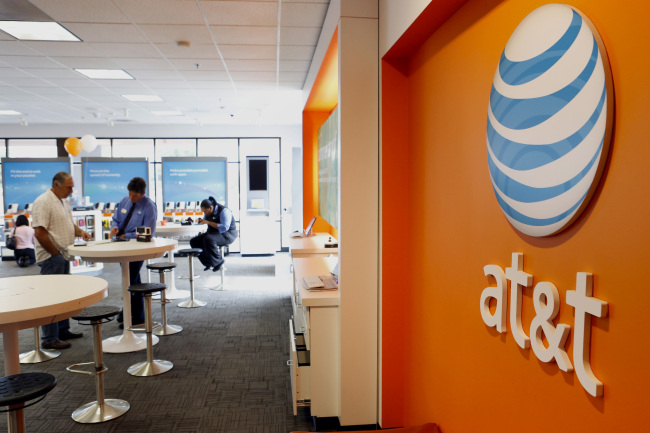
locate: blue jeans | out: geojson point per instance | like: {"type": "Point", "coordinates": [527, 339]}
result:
{"type": "Point", "coordinates": [55, 265]}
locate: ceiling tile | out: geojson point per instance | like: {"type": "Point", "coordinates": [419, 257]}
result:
{"type": "Point", "coordinates": [299, 35]}
{"type": "Point", "coordinates": [204, 75]}
{"type": "Point", "coordinates": [198, 51]}
{"type": "Point", "coordinates": [126, 50]}
{"type": "Point", "coordinates": [293, 76]}
{"type": "Point", "coordinates": [257, 52]}
{"type": "Point", "coordinates": [295, 65]}
{"type": "Point", "coordinates": [135, 63]}
{"type": "Point", "coordinates": [239, 13]}
{"type": "Point", "coordinates": [167, 84]}
{"type": "Point", "coordinates": [25, 82]}
{"type": "Point", "coordinates": [51, 73]}
{"type": "Point", "coordinates": [162, 11]}
{"type": "Point", "coordinates": [245, 35]}
{"type": "Point", "coordinates": [28, 62]}
{"type": "Point", "coordinates": [296, 52]}
{"type": "Point", "coordinates": [95, 32]}
{"type": "Point", "coordinates": [204, 64]}
{"type": "Point", "coordinates": [81, 82]}
{"type": "Point", "coordinates": [12, 72]}
{"type": "Point", "coordinates": [252, 65]}
{"type": "Point", "coordinates": [172, 33]}
{"type": "Point", "coordinates": [73, 49]}
{"type": "Point", "coordinates": [82, 11]}
{"type": "Point", "coordinates": [253, 76]}
{"type": "Point", "coordinates": [225, 84]}
{"type": "Point", "coordinates": [15, 48]}
{"type": "Point", "coordinates": [303, 14]}
{"type": "Point", "coordinates": [141, 74]}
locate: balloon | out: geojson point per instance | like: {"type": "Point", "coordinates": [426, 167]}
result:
{"type": "Point", "coordinates": [89, 143]}
{"type": "Point", "coordinates": [73, 146]}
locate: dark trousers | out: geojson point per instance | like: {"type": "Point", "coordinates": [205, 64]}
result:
{"type": "Point", "coordinates": [210, 243]}
{"type": "Point", "coordinates": [29, 252]}
{"type": "Point", "coordinates": [137, 299]}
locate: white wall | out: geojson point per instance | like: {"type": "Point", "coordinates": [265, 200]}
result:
{"type": "Point", "coordinates": [394, 18]}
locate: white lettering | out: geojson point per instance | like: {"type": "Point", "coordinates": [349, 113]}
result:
{"type": "Point", "coordinates": [518, 280]}
{"type": "Point", "coordinates": [585, 307]}
{"type": "Point", "coordinates": [500, 294]}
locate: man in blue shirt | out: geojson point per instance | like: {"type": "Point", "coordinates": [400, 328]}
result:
{"type": "Point", "coordinates": [136, 210]}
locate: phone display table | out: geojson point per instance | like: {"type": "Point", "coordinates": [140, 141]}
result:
{"type": "Point", "coordinates": [34, 300]}
{"type": "Point", "coordinates": [123, 253]}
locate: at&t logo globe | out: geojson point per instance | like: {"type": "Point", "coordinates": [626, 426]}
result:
{"type": "Point", "coordinates": [549, 120]}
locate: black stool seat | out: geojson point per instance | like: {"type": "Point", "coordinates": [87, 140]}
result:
{"type": "Point", "coordinates": [147, 288]}
{"type": "Point", "coordinates": [191, 251]}
{"type": "Point", "coordinates": [23, 387]}
{"type": "Point", "coordinates": [98, 312]}
{"type": "Point", "coordinates": [161, 266]}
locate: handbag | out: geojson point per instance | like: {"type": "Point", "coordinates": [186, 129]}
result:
{"type": "Point", "coordinates": [11, 241]}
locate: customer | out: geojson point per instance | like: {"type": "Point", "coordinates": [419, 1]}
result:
{"type": "Point", "coordinates": [133, 211]}
{"type": "Point", "coordinates": [24, 235]}
{"type": "Point", "coordinates": [222, 231]}
{"type": "Point", "coordinates": [55, 230]}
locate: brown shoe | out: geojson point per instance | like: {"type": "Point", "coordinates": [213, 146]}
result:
{"type": "Point", "coordinates": [56, 345]}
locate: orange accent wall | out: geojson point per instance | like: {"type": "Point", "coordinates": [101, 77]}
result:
{"type": "Point", "coordinates": [322, 100]}
{"type": "Point", "coordinates": [441, 363]}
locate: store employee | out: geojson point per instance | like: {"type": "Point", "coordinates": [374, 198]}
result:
{"type": "Point", "coordinates": [135, 210]}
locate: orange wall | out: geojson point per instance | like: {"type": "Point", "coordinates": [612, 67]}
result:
{"type": "Point", "coordinates": [451, 368]}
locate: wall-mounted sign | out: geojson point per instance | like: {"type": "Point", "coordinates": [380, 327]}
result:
{"type": "Point", "coordinates": [546, 302]}
{"type": "Point", "coordinates": [549, 120]}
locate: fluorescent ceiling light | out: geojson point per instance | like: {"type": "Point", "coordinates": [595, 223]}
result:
{"type": "Point", "coordinates": [37, 31]}
{"type": "Point", "coordinates": [10, 113]}
{"type": "Point", "coordinates": [143, 98]}
{"type": "Point", "coordinates": [106, 74]}
{"type": "Point", "coordinates": [167, 113]}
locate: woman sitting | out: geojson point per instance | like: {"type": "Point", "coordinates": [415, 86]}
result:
{"type": "Point", "coordinates": [24, 234]}
{"type": "Point", "coordinates": [221, 231]}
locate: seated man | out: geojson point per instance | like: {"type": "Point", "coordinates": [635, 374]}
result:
{"type": "Point", "coordinates": [222, 231]}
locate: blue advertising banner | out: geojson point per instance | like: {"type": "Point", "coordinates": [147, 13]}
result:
{"type": "Point", "coordinates": [24, 179]}
{"type": "Point", "coordinates": [194, 179]}
{"type": "Point", "coordinates": [105, 179]}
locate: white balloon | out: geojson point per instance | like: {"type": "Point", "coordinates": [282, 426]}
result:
{"type": "Point", "coordinates": [89, 143]}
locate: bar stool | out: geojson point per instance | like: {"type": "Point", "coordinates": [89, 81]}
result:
{"type": "Point", "coordinates": [222, 271]}
{"type": "Point", "coordinates": [150, 367]}
{"type": "Point", "coordinates": [191, 303]}
{"type": "Point", "coordinates": [102, 409]}
{"type": "Point", "coordinates": [38, 355]}
{"type": "Point", "coordinates": [18, 389]}
{"type": "Point", "coordinates": [161, 268]}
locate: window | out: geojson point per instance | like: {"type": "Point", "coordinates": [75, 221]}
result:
{"type": "Point", "coordinates": [32, 148]}
{"type": "Point", "coordinates": [175, 147]}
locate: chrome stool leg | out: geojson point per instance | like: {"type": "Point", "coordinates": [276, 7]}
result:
{"type": "Point", "coordinates": [222, 271]}
{"type": "Point", "coordinates": [150, 367]}
{"type": "Point", "coordinates": [38, 355]}
{"type": "Point", "coordinates": [104, 409]}
{"type": "Point", "coordinates": [192, 303]}
{"type": "Point", "coordinates": [165, 328]}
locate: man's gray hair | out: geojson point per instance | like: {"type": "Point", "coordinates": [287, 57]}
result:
{"type": "Point", "coordinates": [60, 177]}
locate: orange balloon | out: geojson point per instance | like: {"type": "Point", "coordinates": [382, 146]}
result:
{"type": "Point", "coordinates": [73, 145]}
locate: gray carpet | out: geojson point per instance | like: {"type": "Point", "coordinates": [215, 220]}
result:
{"type": "Point", "coordinates": [230, 362]}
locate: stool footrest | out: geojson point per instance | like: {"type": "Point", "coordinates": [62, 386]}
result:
{"type": "Point", "coordinates": [73, 369]}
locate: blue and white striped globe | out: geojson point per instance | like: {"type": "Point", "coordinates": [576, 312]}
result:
{"type": "Point", "coordinates": [547, 129]}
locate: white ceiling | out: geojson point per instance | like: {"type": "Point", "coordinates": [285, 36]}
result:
{"type": "Point", "coordinates": [246, 64]}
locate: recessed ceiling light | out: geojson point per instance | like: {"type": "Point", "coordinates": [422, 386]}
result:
{"type": "Point", "coordinates": [167, 113]}
{"type": "Point", "coordinates": [143, 98]}
{"type": "Point", "coordinates": [10, 113]}
{"type": "Point", "coordinates": [106, 74]}
{"type": "Point", "coordinates": [37, 31]}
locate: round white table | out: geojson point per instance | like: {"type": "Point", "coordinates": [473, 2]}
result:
{"type": "Point", "coordinates": [34, 300]}
{"type": "Point", "coordinates": [175, 231]}
{"type": "Point", "coordinates": [124, 252]}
